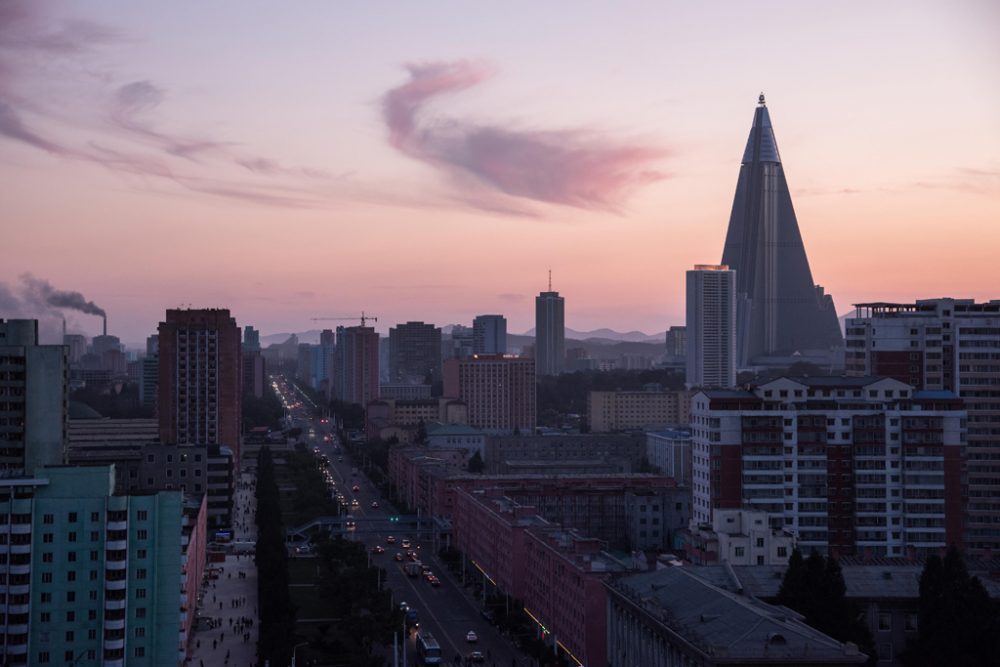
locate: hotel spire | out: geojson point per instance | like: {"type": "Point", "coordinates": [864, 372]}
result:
{"type": "Point", "coordinates": [780, 311]}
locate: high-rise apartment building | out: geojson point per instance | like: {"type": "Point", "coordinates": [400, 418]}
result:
{"type": "Point", "coordinates": [498, 391]}
{"type": "Point", "coordinates": [34, 399]}
{"type": "Point", "coordinates": [152, 345]}
{"type": "Point", "coordinates": [356, 377]}
{"type": "Point", "coordinates": [609, 411]}
{"type": "Point", "coordinates": [489, 334]}
{"type": "Point", "coordinates": [850, 465]}
{"type": "Point", "coordinates": [251, 339]}
{"type": "Point", "coordinates": [460, 344]}
{"type": "Point", "coordinates": [200, 384]}
{"type": "Point", "coordinates": [92, 577]}
{"type": "Point", "coordinates": [414, 353]}
{"type": "Point", "coordinates": [77, 345]}
{"type": "Point", "coordinates": [780, 311]}
{"type": "Point", "coordinates": [944, 345]}
{"type": "Point", "coordinates": [711, 326]}
{"type": "Point", "coordinates": [676, 340]}
{"type": "Point", "coordinates": [550, 333]}
{"type": "Point", "coordinates": [254, 373]}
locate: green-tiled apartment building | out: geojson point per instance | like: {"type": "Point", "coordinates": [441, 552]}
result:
{"type": "Point", "coordinates": [88, 577]}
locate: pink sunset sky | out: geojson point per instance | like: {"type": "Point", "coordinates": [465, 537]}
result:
{"type": "Point", "coordinates": [434, 160]}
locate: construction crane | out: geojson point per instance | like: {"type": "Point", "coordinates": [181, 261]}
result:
{"type": "Point", "coordinates": [364, 318]}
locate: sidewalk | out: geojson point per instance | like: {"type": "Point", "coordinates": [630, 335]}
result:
{"type": "Point", "coordinates": [232, 598]}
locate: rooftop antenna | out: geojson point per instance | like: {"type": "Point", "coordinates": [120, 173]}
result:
{"type": "Point", "coordinates": [550, 280]}
{"type": "Point", "coordinates": [760, 100]}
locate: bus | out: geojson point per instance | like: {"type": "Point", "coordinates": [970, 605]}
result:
{"type": "Point", "coordinates": [428, 650]}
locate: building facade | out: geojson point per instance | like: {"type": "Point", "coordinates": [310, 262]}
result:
{"type": "Point", "coordinates": [200, 379]}
{"type": "Point", "coordinates": [847, 465]}
{"type": "Point", "coordinates": [740, 537]}
{"type": "Point", "coordinates": [498, 391]}
{"type": "Point", "coordinates": [414, 353]}
{"type": "Point", "coordinates": [609, 411]}
{"type": "Point", "coordinates": [356, 375]}
{"type": "Point", "coordinates": [948, 345]}
{"type": "Point", "coordinates": [34, 399]}
{"type": "Point", "coordinates": [489, 334]}
{"type": "Point", "coordinates": [550, 333]}
{"type": "Point", "coordinates": [669, 452]}
{"type": "Point", "coordinates": [90, 575]}
{"type": "Point", "coordinates": [711, 327]}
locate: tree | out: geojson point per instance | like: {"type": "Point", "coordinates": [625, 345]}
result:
{"type": "Point", "coordinates": [476, 464]}
{"type": "Point", "coordinates": [815, 588]}
{"type": "Point", "coordinates": [958, 622]}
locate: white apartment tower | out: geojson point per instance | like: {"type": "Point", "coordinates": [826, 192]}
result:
{"type": "Point", "coordinates": [711, 326]}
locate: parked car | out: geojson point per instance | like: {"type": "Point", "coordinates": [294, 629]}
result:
{"type": "Point", "coordinates": [471, 636]}
{"type": "Point", "coordinates": [390, 540]}
{"type": "Point", "coordinates": [476, 658]}
{"type": "Point", "coordinates": [398, 556]}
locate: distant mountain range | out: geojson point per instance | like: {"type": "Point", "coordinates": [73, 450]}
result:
{"type": "Point", "coordinates": [597, 336]}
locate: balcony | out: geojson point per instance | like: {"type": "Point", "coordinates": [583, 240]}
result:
{"type": "Point", "coordinates": [116, 564]}
{"type": "Point", "coordinates": [120, 585]}
{"type": "Point", "coordinates": [114, 605]}
{"type": "Point", "coordinates": [116, 545]}
{"type": "Point", "coordinates": [21, 528]}
{"type": "Point", "coordinates": [118, 624]}
{"type": "Point", "coordinates": [117, 525]}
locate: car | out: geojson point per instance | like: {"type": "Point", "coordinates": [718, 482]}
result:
{"type": "Point", "coordinates": [471, 637]}
{"type": "Point", "coordinates": [406, 543]}
{"type": "Point", "coordinates": [403, 606]}
{"type": "Point", "coordinates": [390, 540]}
{"type": "Point", "coordinates": [412, 555]}
{"type": "Point", "coordinates": [355, 488]}
{"type": "Point", "coordinates": [354, 502]}
{"type": "Point", "coordinates": [434, 581]}
{"type": "Point", "coordinates": [340, 459]}
{"type": "Point", "coordinates": [374, 504]}
{"type": "Point", "coordinates": [428, 575]}
{"type": "Point", "coordinates": [476, 658]}
{"type": "Point", "coordinates": [398, 556]}
{"type": "Point", "coordinates": [378, 549]}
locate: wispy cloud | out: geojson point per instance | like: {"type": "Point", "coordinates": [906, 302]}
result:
{"type": "Point", "coordinates": [127, 142]}
{"type": "Point", "coordinates": [580, 168]}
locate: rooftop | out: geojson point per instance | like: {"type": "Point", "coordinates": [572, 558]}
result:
{"type": "Point", "coordinates": [723, 624]}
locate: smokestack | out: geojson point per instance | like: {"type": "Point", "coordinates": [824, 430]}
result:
{"type": "Point", "coordinates": [64, 331]}
{"type": "Point", "coordinates": [105, 318]}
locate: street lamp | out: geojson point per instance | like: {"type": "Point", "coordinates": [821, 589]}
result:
{"type": "Point", "coordinates": [295, 649]}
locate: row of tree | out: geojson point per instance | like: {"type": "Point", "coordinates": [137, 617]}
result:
{"type": "Point", "coordinates": [277, 614]}
{"type": "Point", "coordinates": [958, 623]}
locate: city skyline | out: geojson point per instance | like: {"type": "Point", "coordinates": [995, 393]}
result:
{"type": "Point", "coordinates": [305, 159]}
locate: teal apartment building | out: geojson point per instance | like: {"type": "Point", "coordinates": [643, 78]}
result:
{"type": "Point", "coordinates": [88, 577]}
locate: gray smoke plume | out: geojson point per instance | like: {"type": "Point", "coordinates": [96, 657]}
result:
{"type": "Point", "coordinates": [42, 292]}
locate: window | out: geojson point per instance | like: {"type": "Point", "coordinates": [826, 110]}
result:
{"type": "Point", "coordinates": [93, 575]}
{"type": "Point", "coordinates": [92, 616]}
{"type": "Point", "coordinates": [72, 517]}
{"type": "Point", "coordinates": [43, 657]}
{"type": "Point", "coordinates": [140, 593]}
{"type": "Point", "coordinates": [142, 534]}
{"type": "Point", "coordinates": [760, 541]}
{"type": "Point", "coordinates": [70, 616]}
{"type": "Point", "coordinates": [72, 536]}
{"type": "Point", "coordinates": [884, 621]}
{"type": "Point", "coordinates": [71, 575]}
{"type": "Point", "coordinates": [95, 516]}
{"type": "Point", "coordinates": [140, 612]}
{"type": "Point", "coordinates": [47, 538]}
{"type": "Point", "coordinates": [47, 557]}
{"type": "Point", "coordinates": [46, 597]}
{"type": "Point", "coordinates": [70, 597]}
{"type": "Point", "coordinates": [92, 596]}
{"type": "Point", "coordinates": [92, 633]}
{"type": "Point", "coordinates": [71, 556]}
{"type": "Point", "coordinates": [46, 577]}
{"type": "Point", "coordinates": [140, 632]}
{"type": "Point", "coordinates": [739, 551]}
{"type": "Point", "coordinates": [70, 637]}
{"type": "Point", "coordinates": [140, 651]}
{"type": "Point", "coordinates": [93, 555]}
{"type": "Point", "coordinates": [910, 622]}
{"type": "Point", "coordinates": [140, 553]}
{"type": "Point", "coordinates": [782, 552]}
{"type": "Point", "coordinates": [46, 617]}
{"type": "Point", "coordinates": [140, 573]}
{"type": "Point", "coordinates": [142, 515]}
{"type": "Point", "coordinates": [94, 536]}
{"type": "Point", "coordinates": [48, 519]}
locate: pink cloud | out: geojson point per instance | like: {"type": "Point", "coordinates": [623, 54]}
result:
{"type": "Point", "coordinates": [578, 168]}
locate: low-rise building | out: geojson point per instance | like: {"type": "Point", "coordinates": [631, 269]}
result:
{"type": "Point", "coordinates": [611, 411]}
{"type": "Point", "coordinates": [670, 617]}
{"type": "Point", "coordinates": [740, 537]}
{"type": "Point", "coordinates": [456, 436]}
{"type": "Point", "coordinates": [623, 451]}
{"type": "Point", "coordinates": [556, 573]}
{"type": "Point", "coordinates": [402, 418]}
{"type": "Point", "coordinates": [655, 518]}
{"type": "Point", "coordinates": [669, 451]}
